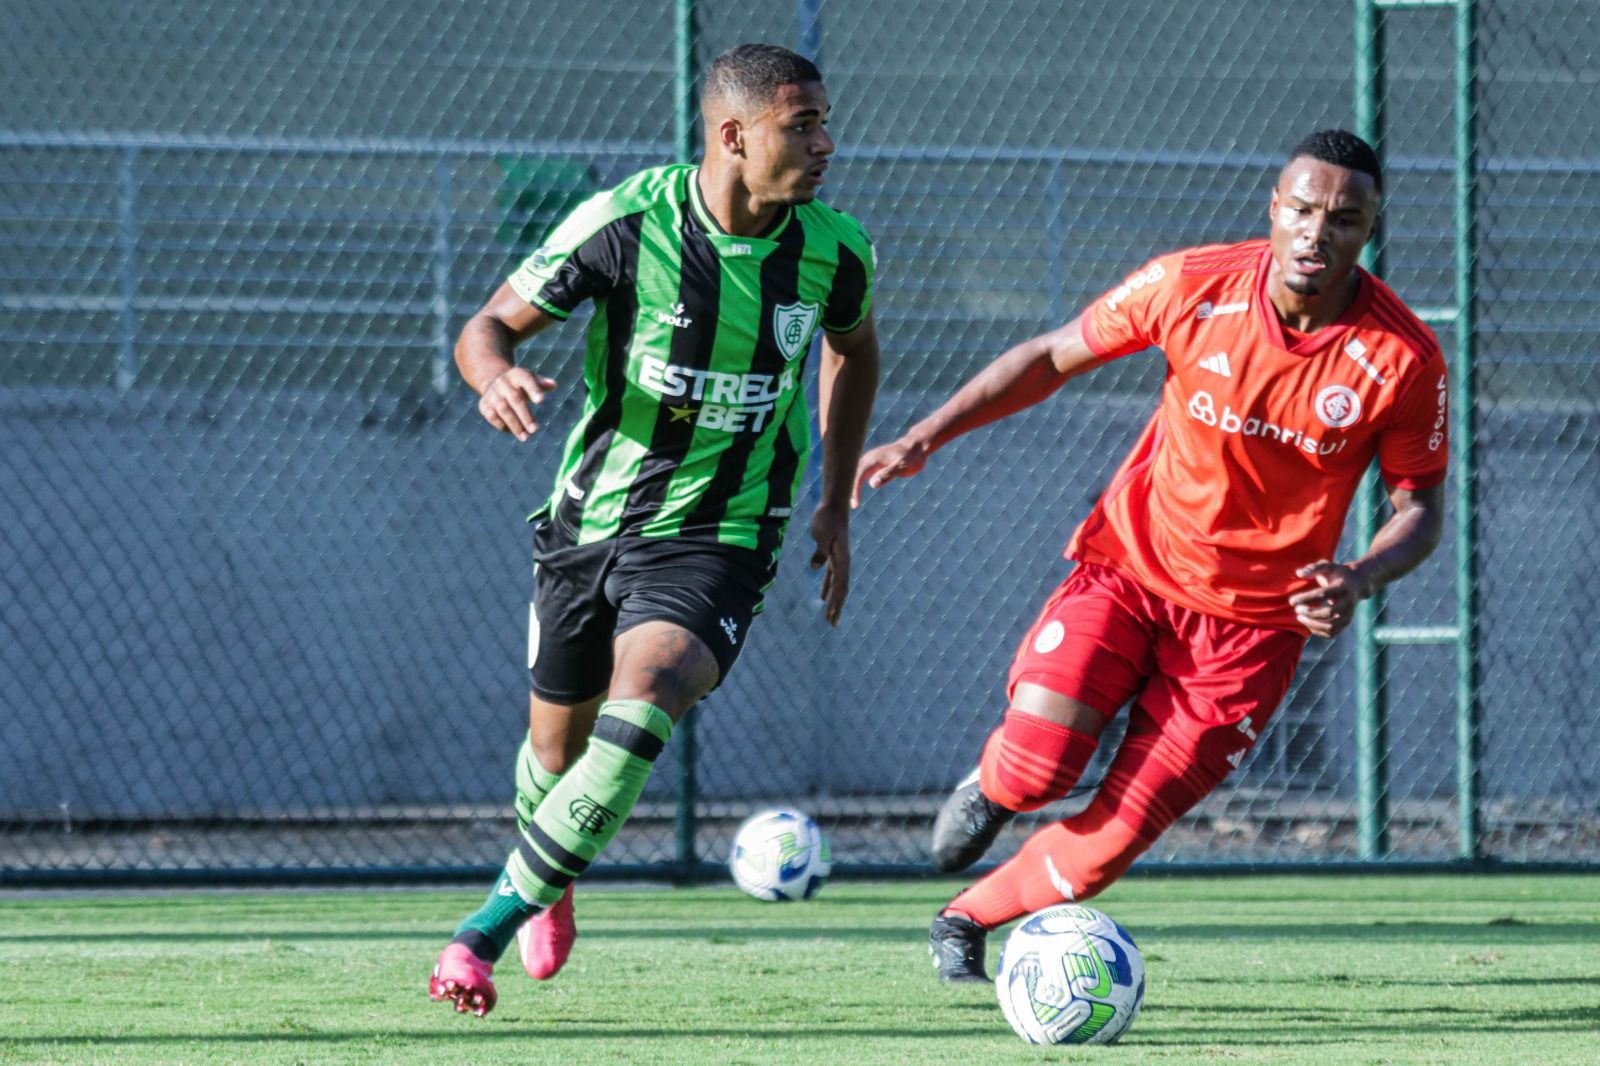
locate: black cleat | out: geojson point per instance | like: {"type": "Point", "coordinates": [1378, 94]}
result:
{"type": "Point", "coordinates": [956, 944]}
{"type": "Point", "coordinates": [966, 827]}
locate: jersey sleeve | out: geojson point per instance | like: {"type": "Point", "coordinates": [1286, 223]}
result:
{"type": "Point", "coordinates": [580, 260]}
{"type": "Point", "coordinates": [850, 298]}
{"type": "Point", "coordinates": [1129, 318]}
{"type": "Point", "coordinates": [1413, 450]}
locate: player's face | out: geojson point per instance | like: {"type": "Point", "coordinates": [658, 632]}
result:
{"type": "Point", "coordinates": [1322, 216]}
{"type": "Point", "coordinates": [787, 146]}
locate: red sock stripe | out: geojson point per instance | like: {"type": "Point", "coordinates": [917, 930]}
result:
{"type": "Point", "coordinates": [1031, 761]}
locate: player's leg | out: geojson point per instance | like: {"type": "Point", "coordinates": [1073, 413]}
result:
{"type": "Point", "coordinates": [683, 608]}
{"type": "Point", "coordinates": [1082, 658]}
{"type": "Point", "coordinates": [1091, 649]}
{"type": "Point", "coordinates": [1217, 685]}
{"type": "Point", "coordinates": [557, 737]}
{"type": "Point", "coordinates": [569, 663]}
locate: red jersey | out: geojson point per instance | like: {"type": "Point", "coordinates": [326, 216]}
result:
{"type": "Point", "coordinates": [1247, 468]}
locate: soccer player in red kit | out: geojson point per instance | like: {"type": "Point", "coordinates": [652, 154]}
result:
{"type": "Point", "coordinates": [1209, 558]}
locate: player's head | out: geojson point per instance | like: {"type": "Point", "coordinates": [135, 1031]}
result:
{"type": "Point", "coordinates": [1324, 210]}
{"type": "Point", "coordinates": [765, 109]}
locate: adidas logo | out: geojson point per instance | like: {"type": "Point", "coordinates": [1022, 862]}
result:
{"type": "Point", "coordinates": [1217, 364]}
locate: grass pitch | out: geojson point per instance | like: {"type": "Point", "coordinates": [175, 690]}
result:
{"type": "Point", "coordinates": [1335, 969]}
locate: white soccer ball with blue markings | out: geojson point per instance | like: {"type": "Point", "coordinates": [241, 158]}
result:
{"type": "Point", "coordinates": [1070, 975]}
{"type": "Point", "coordinates": [780, 855]}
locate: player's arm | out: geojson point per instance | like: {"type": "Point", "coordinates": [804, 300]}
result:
{"type": "Point", "coordinates": [846, 387]}
{"type": "Point", "coordinates": [1020, 378]}
{"type": "Point", "coordinates": [485, 355]}
{"type": "Point", "coordinates": [1399, 547]}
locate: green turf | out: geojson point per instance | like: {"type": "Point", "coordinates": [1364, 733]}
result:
{"type": "Point", "coordinates": [1442, 969]}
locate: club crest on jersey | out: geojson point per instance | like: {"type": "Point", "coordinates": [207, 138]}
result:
{"type": "Point", "coordinates": [792, 325]}
{"type": "Point", "coordinates": [1338, 406]}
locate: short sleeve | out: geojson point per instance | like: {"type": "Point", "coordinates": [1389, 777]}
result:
{"type": "Point", "coordinates": [580, 260]}
{"type": "Point", "coordinates": [1413, 449]}
{"type": "Point", "coordinates": [1128, 318]}
{"type": "Point", "coordinates": [850, 298]}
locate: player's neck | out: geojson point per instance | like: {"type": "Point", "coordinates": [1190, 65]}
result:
{"type": "Point", "coordinates": [736, 210]}
{"type": "Point", "coordinates": [1305, 313]}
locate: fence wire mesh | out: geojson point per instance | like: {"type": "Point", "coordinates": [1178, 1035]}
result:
{"type": "Point", "coordinates": [263, 573]}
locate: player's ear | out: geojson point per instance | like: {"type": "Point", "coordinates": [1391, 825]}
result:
{"type": "Point", "coordinates": [730, 134]}
{"type": "Point", "coordinates": [1272, 204]}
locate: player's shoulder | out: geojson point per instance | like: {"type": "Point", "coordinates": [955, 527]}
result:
{"type": "Point", "coordinates": [632, 196]}
{"type": "Point", "coordinates": [1239, 257]}
{"type": "Point", "coordinates": [648, 187]}
{"type": "Point", "coordinates": [824, 218]}
{"type": "Point", "coordinates": [1388, 323]}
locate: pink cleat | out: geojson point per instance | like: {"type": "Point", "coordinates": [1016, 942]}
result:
{"type": "Point", "coordinates": [462, 976]}
{"type": "Point", "coordinates": [545, 940]}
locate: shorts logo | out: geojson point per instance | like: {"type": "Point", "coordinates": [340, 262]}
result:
{"type": "Point", "coordinates": [730, 627]}
{"type": "Point", "coordinates": [1338, 406]}
{"type": "Point", "coordinates": [1049, 638]}
{"type": "Point", "coordinates": [792, 325]}
{"type": "Point", "coordinates": [1436, 441]}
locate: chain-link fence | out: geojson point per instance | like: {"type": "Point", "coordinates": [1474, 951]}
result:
{"type": "Point", "coordinates": [263, 575]}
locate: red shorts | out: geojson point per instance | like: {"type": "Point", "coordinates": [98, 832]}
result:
{"type": "Point", "coordinates": [1208, 683]}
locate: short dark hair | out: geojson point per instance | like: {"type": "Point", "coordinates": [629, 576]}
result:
{"type": "Point", "coordinates": [748, 75]}
{"type": "Point", "coordinates": [1343, 149]}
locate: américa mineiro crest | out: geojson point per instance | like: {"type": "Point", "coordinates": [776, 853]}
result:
{"type": "Point", "coordinates": [792, 325]}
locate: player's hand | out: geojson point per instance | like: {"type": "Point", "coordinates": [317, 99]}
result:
{"type": "Point", "coordinates": [902, 458]}
{"type": "Point", "coordinates": [830, 527]}
{"type": "Point", "coordinates": [1327, 609]}
{"type": "Point", "coordinates": [505, 403]}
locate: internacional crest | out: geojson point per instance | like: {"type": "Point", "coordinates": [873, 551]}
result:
{"type": "Point", "coordinates": [792, 325]}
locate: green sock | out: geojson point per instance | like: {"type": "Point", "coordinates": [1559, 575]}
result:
{"type": "Point", "coordinates": [488, 931]}
{"type": "Point", "coordinates": [534, 783]}
{"type": "Point", "coordinates": [592, 800]}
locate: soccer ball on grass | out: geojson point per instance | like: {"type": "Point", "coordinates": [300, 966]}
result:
{"type": "Point", "coordinates": [780, 855]}
{"type": "Point", "coordinates": [1070, 975]}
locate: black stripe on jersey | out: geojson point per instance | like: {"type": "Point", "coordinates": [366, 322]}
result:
{"type": "Point", "coordinates": [700, 293]}
{"type": "Point", "coordinates": [844, 296]}
{"type": "Point", "coordinates": [621, 309]}
{"type": "Point", "coordinates": [785, 459]}
{"type": "Point", "coordinates": [780, 285]}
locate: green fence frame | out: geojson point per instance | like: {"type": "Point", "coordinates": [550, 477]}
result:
{"type": "Point", "coordinates": [1373, 636]}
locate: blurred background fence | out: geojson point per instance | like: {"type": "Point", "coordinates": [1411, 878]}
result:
{"type": "Point", "coordinates": [263, 572]}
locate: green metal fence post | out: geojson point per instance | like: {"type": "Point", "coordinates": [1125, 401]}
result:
{"type": "Point", "coordinates": [1372, 636]}
{"type": "Point", "coordinates": [685, 112]}
{"type": "Point", "coordinates": [1372, 712]}
{"type": "Point", "coordinates": [1468, 711]}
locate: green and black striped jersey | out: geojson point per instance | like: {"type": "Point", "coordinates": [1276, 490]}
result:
{"type": "Point", "coordinates": [695, 423]}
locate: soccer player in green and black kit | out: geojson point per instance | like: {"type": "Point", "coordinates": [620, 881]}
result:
{"type": "Point", "coordinates": [677, 483]}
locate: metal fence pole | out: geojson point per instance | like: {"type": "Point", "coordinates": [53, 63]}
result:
{"type": "Point", "coordinates": [128, 268]}
{"type": "Point", "coordinates": [685, 37]}
{"type": "Point", "coordinates": [1372, 711]}
{"type": "Point", "coordinates": [1468, 710]}
{"type": "Point", "coordinates": [440, 377]}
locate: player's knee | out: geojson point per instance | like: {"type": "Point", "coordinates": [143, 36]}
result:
{"type": "Point", "coordinates": [1030, 762]}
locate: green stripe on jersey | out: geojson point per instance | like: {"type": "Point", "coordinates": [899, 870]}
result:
{"type": "Point", "coordinates": [661, 236]}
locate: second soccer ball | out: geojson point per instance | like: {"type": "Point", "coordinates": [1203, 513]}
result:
{"type": "Point", "coordinates": [780, 855]}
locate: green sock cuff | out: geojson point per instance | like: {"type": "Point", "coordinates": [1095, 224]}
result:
{"type": "Point", "coordinates": [531, 770]}
{"type": "Point", "coordinates": [640, 714]}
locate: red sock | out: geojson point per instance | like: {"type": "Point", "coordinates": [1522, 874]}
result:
{"type": "Point", "coordinates": [1031, 761]}
{"type": "Point", "coordinates": [1150, 785]}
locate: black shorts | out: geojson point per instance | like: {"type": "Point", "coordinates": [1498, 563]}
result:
{"type": "Point", "coordinates": [585, 594]}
